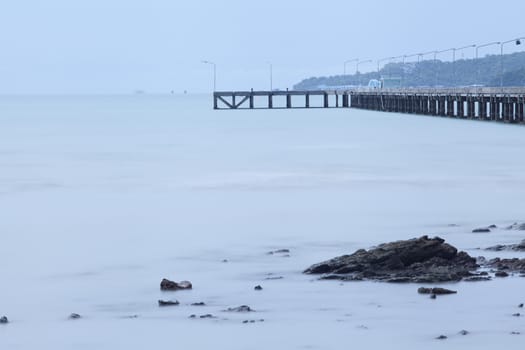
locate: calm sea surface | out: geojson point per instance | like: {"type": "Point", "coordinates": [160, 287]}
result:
{"type": "Point", "coordinates": [102, 196]}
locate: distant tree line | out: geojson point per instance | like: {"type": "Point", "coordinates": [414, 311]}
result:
{"type": "Point", "coordinates": [484, 71]}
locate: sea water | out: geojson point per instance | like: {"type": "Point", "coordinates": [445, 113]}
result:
{"type": "Point", "coordinates": [103, 196]}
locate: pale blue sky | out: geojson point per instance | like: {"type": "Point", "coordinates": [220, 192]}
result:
{"type": "Point", "coordinates": [118, 46]}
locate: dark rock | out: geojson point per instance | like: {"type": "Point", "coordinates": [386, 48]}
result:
{"type": "Point", "coordinates": [225, 260]}
{"type": "Point", "coordinates": [74, 316]}
{"type": "Point", "coordinates": [422, 260]}
{"type": "Point", "coordinates": [3, 320]}
{"type": "Point", "coordinates": [253, 321]}
{"type": "Point", "coordinates": [501, 274]}
{"type": "Point", "coordinates": [511, 265]}
{"type": "Point", "coordinates": [519, 247]}
{"type": "Point", "coordinates": [170, 285]}
{"type": "Point", "coordinates": [441, 337]}
{"type": "Point", "coordinates": [517, 314]}
{"type": "Point", "coordinates": [481, 230]}
{"type": "Point", "coordinates": [258, 288]}
{"type": "Point", "coordinates": [433, 296]}
{"type": "Point", "coordinates": [493, 226]}
{"type": "Point", "coordinates": [168, 302]}
{"type": "Point", "coordinates": [520, 305]}
{"type": "Point", "coordinates": [274, 278]}
{"type": "Point", "coordinates": [515, 333]}
{"type": "Point", "coordinates": [279, 251]}
{"type": "Point", "coordinates": [207, 316]}
{"type": "Point", "coordinates": [242, 308]}
{"type": "Point", "coordinates": [193, 316]}
{"type": "Point", "coordinates": [463, 332]}
{"type": "Point", "coordinates": [198, 304]}
{"type": "Point", "coordinates": [436, 291]}
{"type": "Point", "coordinates": [477, 278]}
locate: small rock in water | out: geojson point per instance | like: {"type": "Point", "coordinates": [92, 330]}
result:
{"type": "Point", "coordinates": [493, 226]}
{"type": "Point", "coordinates": [274, 278]}
{"type": "Point", "coordinates": [74, 316]}
{"type": "Point", "coordinates": [242, 308]}
{"type": "Point", "coordinates": [207, 316]}
{"type": "Point", "coordinates": [258, 288]}
{"type": "Point", "coordinates": [436, 291]}
{"type": "Point", "coordinates": [279, 251]}
{"type": "Point", "coordinates": [441, 337]}
{"type": "Point", "coordinates": [520, 305]}
{"type": "Point", "coordinates": [4, 320]}
{"type": "Point", "coordinates": [253, 321]}
{"type": "Point", "coordinates": [515, 333]}
{"type": "Point", "coordinates": [193, 316]}
{"type": "Point", "coordinates": [198, 304]}
{"type": "Point", "coordinates": [433, 296]}
{"type": "Point", "coordinates": [166, 284]}
{"type": "Point", "coordinates": [481, 230]}
{"type": "Point", "coordinates": [168, 302]}
{"type": "Point", "coordinates": [501, 274]}
{"type": "Point", "coordinates": [517, 314]}
{"type": "Point", "coordinates": [463, 332]}
{"type": "Point", "coordinates": [477, 279]}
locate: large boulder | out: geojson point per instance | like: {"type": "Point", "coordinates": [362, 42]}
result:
{"type": "Point", "coordinates": [415, 260]}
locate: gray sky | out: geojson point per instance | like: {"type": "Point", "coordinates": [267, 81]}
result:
{"type": "Point", "coordinates": [118, 46]}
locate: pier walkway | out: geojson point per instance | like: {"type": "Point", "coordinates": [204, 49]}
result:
{"type": "Point", "coordinates": [505, 105]}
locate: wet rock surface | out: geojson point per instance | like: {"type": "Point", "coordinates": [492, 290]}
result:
{"type": "Point", "coordinates": [435, 291]}
{"type": "Point", "coordinates": [166, 284]}
{"type": "Point", "coordinates": [520, 247]}
{"type": "Point", "coordinates": [516, 226]}
{"type": "Point", "coordinates": [508, 265]}
{"type": "Point", "coordinates": [74, 316]}
{"type": "Point", "coordinates": [201, 303]}
{"type": "Point", "coordinates": [168, 302]}
{"type": "Point", "coordinates": [258, 288]}
{"type": "Point", "coordinates": [3, 320]}
{"type": "Point", "coordinates": [481, 230]}
{"type": "Point", "coordinates": [422, 260]}
{"type": "Point", "coordinates": [242, 308]}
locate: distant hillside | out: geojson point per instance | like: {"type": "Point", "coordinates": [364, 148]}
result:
{"type": "Point", "coordinates": [484, 71]}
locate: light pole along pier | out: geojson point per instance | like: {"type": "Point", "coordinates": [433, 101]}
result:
{"type": "Point", "coordinates": [489, 104]}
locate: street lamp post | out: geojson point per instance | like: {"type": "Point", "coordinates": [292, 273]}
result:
{"type": "Point", "coordinates": [404, 61]}
{"type": "Point", "coordinates": [348, 61]}
{"type": "Point", "coordinates": [518, 42]}
{"type": "Point", "coordinates": [271, 75]}
{"type": "Point", "coordinates": [435, 62]}
{"type": "Point", "coordinates": [379, 62]}
{"type": "Point", "coordinates": [454, 60]}
{"type": "Point", "coordinates": [357, 68]}
{"type": "Point", "coordinates": [214, 74]}
{"type": "Point", "coordinates": [478, 73]}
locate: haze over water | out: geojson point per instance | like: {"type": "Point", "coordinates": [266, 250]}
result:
{"type": "Point", "coordinates": [102, 197]}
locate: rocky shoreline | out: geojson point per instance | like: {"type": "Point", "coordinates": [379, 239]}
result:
{"type": "Point", "coordinates": [417, 260]}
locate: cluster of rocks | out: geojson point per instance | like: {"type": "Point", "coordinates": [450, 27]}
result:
{"type": "Point", "coordinates": [166, 284]}
{"type": "Point", "coordinates": [519, 247]}
{"type": "Point", "coordinates": [418, 260]}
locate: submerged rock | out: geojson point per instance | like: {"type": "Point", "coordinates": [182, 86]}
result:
{"type": "Point", "coordinates": [520, 247]}
{"type": "Point", "coordinates": [481, 230]}
{"type": "Point", "coordinates": [258, 288]}
{"type": "Point", "coordinates": [463, 332]}
{"type": "Point", "coordinates": [441, 337]}
{"type": "Point", "coordinates": [501, 274]}
{"type": "Point", "coordinates": [279, 251]}
{"type": "Point", "coordinates": [74, 316]}
{"type": "Point", "coordinates": [242, 308]}
{"type": "Point", "coordinates": [168, 302]}
{"type": "Point", "coordinates": [516, 226]}
{"type": "Point", "coordinates": [3, 320]}
{"type": "Point", "coordinates": [435, 291]}
{"type": "Point", "coordinates": [166, 284]}
{"type": "Point", "coordinates": [419, 260]}
{"type": "Point", "coordinates": [511, 265]}
{"type": "Point", "coordinates": [201, 303]}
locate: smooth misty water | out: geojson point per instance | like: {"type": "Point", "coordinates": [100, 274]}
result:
{"type": "Point", "coordinates": [101, 197]}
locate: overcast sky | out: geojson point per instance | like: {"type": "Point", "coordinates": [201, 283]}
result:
{"type": "Point", "coordinates": [118, 46]}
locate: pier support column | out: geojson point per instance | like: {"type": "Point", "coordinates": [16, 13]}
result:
{"type": "Point", "coordinates": [307, 100]}
{"type": "Point", "coordinates": [471, 108]}
{"type": "Point", "coordinates": [450, 106]}
{"type": "Point", "coordinates": [460, 107]}
{"type": "Point", "coordinates": [270, 101]}
{"type": "Point", "coordinates": [288, 101]}
{"type": "Point", "coordinates": [482, 108]}
{"type": "Point", "coordinates": [345, 100]}
{"type": "Point", "coordinates": [520, 110]}
{"type": "Point", "coordinates": [325, 100]}
{"type": "Point", "coordinates": [251, 101]}
{"type": "Point", "coordinates": [215, 103]}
